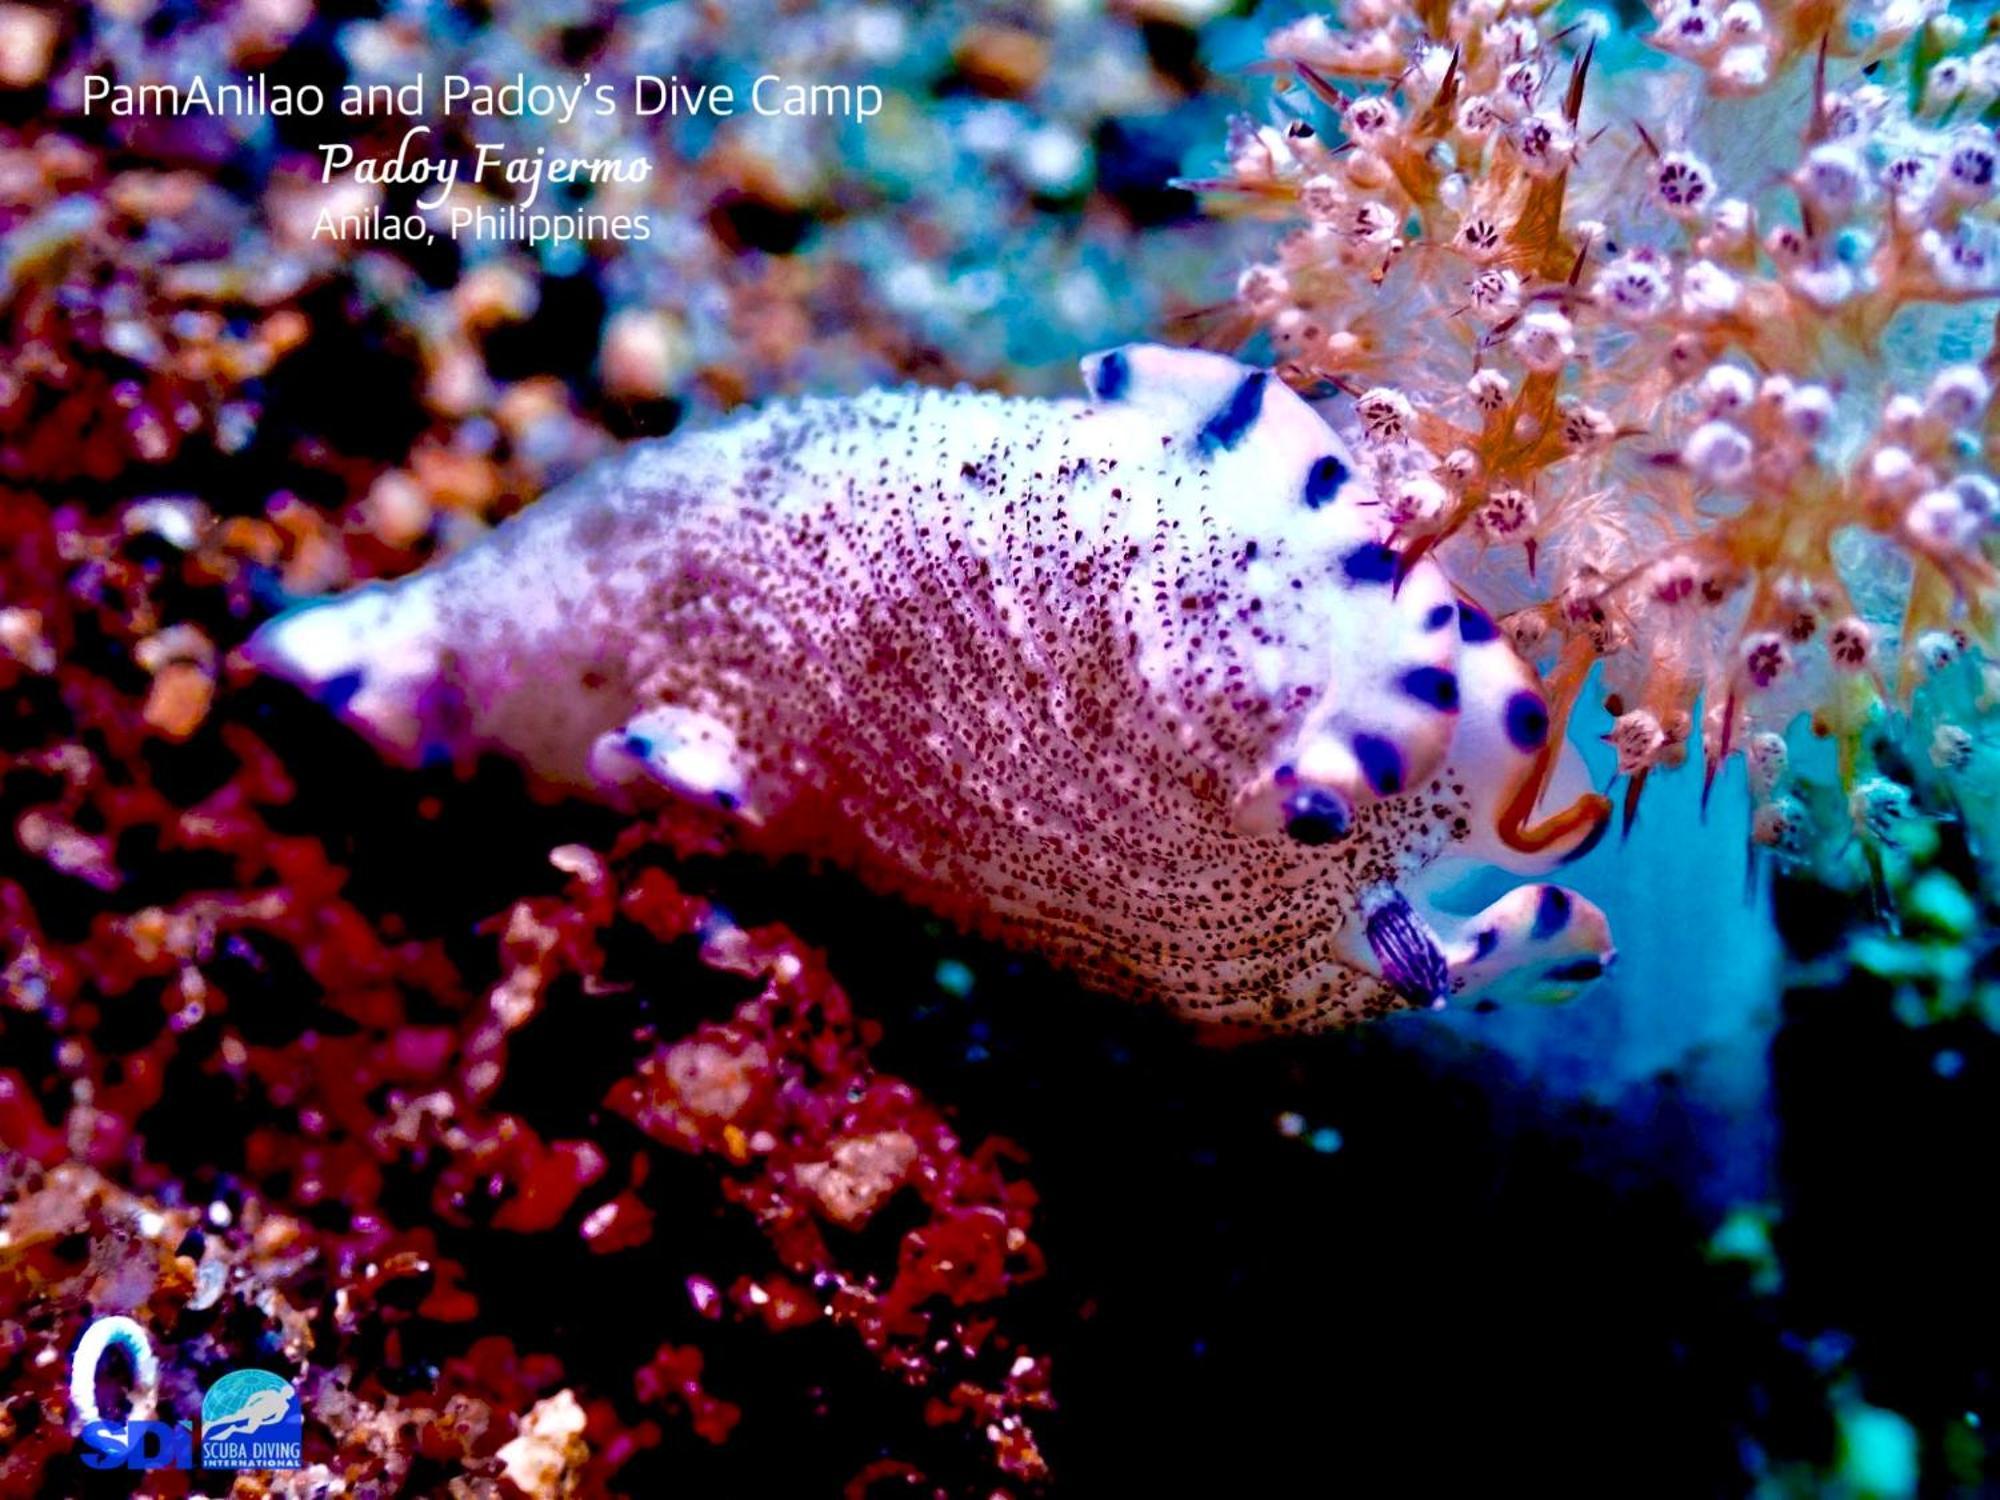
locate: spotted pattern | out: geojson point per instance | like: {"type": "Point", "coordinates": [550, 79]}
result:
{"type": "Point", "coordinates": [1323, 481]}
{"type": "Point", "coordinates": [1372, 562]}
{"type": "Point", "coordinates": [1381, 763]}
{"type": "Point", "coordinates": [1226, 428]}
{"type": "Point", "coordinates": [1527, 721]}
{"type": "Point", "coordinates": [1113, 375]}
{"type": "Point", "coordinates": [1551, 911]}
{"type": "Point", "coordinates": [1082, 675]}
{"type": "Point", "coordinates": [1434, 686]}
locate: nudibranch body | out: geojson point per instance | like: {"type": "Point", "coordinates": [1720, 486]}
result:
{"type": "Point", "coordinates": [1134, 681]}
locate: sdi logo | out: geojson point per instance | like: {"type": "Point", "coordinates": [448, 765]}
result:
{"type": "Point", "coordinates": [138, 1445]}
{"type": "Point", "coordinates": [250, 1419]}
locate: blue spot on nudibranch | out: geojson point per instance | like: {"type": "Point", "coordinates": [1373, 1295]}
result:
{"type": "Point", "coordinates": [1381, 763]}
{"type": "Point", "coordinates": [638, 747]}
{"type": "Point", "coordinates": [1527, 721]}
{"type": "Point", "coordinates": [1317, 817]}
{"type": "Point", "coordinates": [1576, 971]}
{"type": "Point", "coordinates": [1226, 428]}
{"type": "Point", "coordinates": [1112, 377]}
{"type": "Point", "coordinates": [1439, 617]}
{"type": "Point", "coordinates": [1484, 942]}
{"type": "Point", "coordinates": [1551, 912]}
{"type": "Point", "coordinates": [1432, 685]}
{"type": "Point", "coordinates": [1323, 481]}
{"type": "Point", "coordinates": [337, 692]}
{"type": "Point", "coordinates": [1371, 562]}
{"type": "Point", "coordinates": [1474, 624]}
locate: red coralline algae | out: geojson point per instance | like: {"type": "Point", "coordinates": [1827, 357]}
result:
{"type": "Point", "coordinates": [674, 1379]}
{"type": "Point", "coordinates": [180, 924]}
{"type": "Point", "coordinates": [802, 1122]}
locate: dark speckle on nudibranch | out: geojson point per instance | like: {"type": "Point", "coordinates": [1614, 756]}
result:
{"type": "Point", "coordinates": [1083, 675]}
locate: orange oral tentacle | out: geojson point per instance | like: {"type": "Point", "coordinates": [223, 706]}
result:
{"type": "Point", "coordinates": [1588, 811]}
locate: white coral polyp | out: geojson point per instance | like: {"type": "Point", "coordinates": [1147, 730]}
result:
{"type": "Point", "coordinates": [1726, 389]}
{"type": "Point", "coordinates": [1633, 288]}
{"type": "Point", "coordinates": [1958, 395]}
{"type": "Point", "coordinates": [1543, 341]}
{"type": "Point", "coordinates": [1709, 293]}
{"type": "Point", "coordinates": [1719, 453]}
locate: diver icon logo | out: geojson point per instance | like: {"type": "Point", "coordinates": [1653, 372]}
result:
{"type": "Point", "coordinates": [250, 1419]}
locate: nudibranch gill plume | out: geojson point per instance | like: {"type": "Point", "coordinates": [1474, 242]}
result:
{"type": "Point", "coordinates": [1133, 681]}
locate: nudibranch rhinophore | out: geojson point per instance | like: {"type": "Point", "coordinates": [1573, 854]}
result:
{"type": "Point", "coordinates": [1135, 681]}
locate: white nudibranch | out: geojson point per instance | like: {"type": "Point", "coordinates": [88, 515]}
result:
{"type": "Point", "coordinates": [1134, 681]}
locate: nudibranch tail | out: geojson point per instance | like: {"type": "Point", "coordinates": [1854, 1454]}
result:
{"type": "Point", "coordinates": [371, 656]}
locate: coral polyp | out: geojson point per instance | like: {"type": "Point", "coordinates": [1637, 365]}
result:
{"type": "Point", "coordinates": [1686, 358]}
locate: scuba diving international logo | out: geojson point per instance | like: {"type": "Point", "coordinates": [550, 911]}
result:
{"type": "Point", "coordinates": [250, 1419]}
